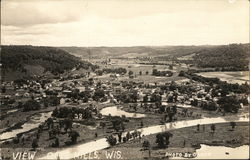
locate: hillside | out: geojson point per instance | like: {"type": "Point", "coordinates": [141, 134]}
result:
{"type": "Point", "coordinates": [24, 61]}
{"type": "Point", "coordinates": [222, 57]}
{"type": "Point", "coordinates": [132, 52]}
{"type": "Point", "coordinates": [233, 57]}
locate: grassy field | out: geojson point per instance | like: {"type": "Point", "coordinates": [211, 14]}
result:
{"type": "Point", "coordinates": [136, 68]}
{"type": "Point", "coordinates": [223, 136]}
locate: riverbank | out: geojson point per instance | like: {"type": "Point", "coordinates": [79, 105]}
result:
{"type": "Point", "coordinates": [18, 118]}
{"type": "Point", "coordinates": [186, 140]}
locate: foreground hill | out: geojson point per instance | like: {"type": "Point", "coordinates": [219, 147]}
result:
{"type": "Point", "coordinates": [23, 61]}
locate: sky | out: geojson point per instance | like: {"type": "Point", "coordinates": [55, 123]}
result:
{"type": "Point", "coordinates": [124, 22]}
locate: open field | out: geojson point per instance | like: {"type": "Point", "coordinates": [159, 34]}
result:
{"type": "Point", "coordinates": [223, 136]}
{"type": "Point", "coordinates": [239, 77]}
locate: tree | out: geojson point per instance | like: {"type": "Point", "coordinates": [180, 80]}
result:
{"type": "Point", "coordinates": [212, 127]}
{"type": "Point", "coordinates": [117, 124]}
{"type": "Point", "coordinates": [56, 143]}
{"type": "Point", "coordinates": [50, 123]}
{"type": "Point", "coordinates": [154, 72]}
{"type": "Point", "coordinates": [73, 136]}
{"type": "Point", "coordinates": [146, 145]}
{"type": "Point", "coordinates": [140, 73]}
{"type": "Point", "coordinates": [53, 100]}
{"type": "Point", "coordinates": [145, 98]}
{"type": "Point", "coordinates": [174, 109]}
{"type": "Point", "coordinates": [167, 135]}
{"type": "Point", "coordinates": [91, 81]}
{"type": "Point", "coordinates": [181, 74]}
{"type": "Point", "coordinates": [68, 124]}
{"type": "Point", "coordinates": [45, 104]}
{"type": "Point", "coordinates": [99, 94]}
{"type": "Point", "coordinates": [229, 104]}
{"type": "Point", "coordinates": [55, 112]}
{"type": "Point", "coordinates": [128, 136]}
{"type": "Point", "coordinates": [103, 125]}
{"type": "Point", "coordinates": [3, 89]}
{"type": "Point", "coordinates": [142, 124]}
{"type": "Point", "coordinates": [146, 72]}
{"type": "Point", "coordinates": [119, 134]}
{"type": "Point", "coordinates": [162, 139]}
{"type": "Point", "coordinates": [198, 127]}
{"type": "Point", "coordinates": [170, 67]}
{"type": "Point", "coordinates": [130, 73]}
{"type": "Point", "coordinates": [31, 105]}
{"type": "Point", "coordinates": [232, 124]}
{"type": "Point", "coordinates": [134, 96]}
{"type": "Point", "coordinates": [111, 140]}
{"type": "Point", "coordinates": [34, 144]}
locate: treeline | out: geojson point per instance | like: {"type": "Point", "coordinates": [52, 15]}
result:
{"type": "Point", "coordinates": [120, 70]}
{"type": "Point", "coordinates": [233, 57]}
{"type": "Point", "coordinates": [223, 86]}
{"type": "Point", "coordinates": [162, 73]}
{"type": "Point", "coordinates": [66, 112]}
{"type": "Point", "coordinates": [51, 59]}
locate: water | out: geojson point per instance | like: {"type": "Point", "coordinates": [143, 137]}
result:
{"type": "Point", "coordinates": [34, 122]}
{"type": "Point", "coordinates": [12, 111]}
{"type": "Point", "coordinates": [81, 149]}
{"type": "Point", "coordinates": [185, 106]}
{"type": "Point", "coordinates": [115, 111]}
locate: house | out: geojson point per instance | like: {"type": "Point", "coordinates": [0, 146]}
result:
{"type": "Point", "coordinates": [62, 101]}
{"type": "Point", "coordinates": [81, 89]}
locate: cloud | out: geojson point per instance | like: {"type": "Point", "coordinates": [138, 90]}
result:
{"type": "Point", "coordinates": [29, 12]}
{"type": "Point", "coordinates": [107, 23]}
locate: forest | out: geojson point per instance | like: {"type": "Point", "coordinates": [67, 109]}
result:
{"type": "Point", "coordinates": [233, 57]}
{"type": "Point", "coordinates": [52, 59]}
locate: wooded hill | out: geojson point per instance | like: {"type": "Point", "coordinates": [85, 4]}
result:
{"type": "Point", "coordinates": [27, 59]}
{"type": "Point", "coordinates": [233, 57]}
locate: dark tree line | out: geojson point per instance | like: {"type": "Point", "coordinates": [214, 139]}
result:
{"type": "Point", "coordinates": [66, 112]}
{"type": "Point", "coordinates": [112, 70]}
{"type": "Point", "coordinates": [224, 87]}
{"type": "Point", "coordinates": [52, 59]}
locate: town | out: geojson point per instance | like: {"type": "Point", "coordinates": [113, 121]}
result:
{"type": "Point", "coordinates": [116, 102]}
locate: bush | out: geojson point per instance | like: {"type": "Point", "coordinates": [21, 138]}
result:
{"type": "Point", "coordinates": [111, 140]}
{"type": "Point", "coordinates": [31, 105]}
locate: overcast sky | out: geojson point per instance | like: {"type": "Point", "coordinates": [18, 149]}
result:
{"type": "Point", "coordinates": [124, 22]}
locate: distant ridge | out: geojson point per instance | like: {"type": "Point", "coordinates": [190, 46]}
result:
{"type": "Point", "coordinates": [153, 51]}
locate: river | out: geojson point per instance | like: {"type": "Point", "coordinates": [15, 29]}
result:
{"type": "Point", "coordinates": [33, 122]}
{"type": "Point", "coordinates": [115, 111]}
